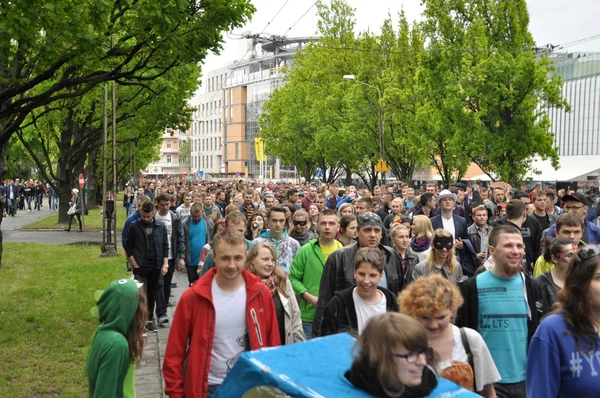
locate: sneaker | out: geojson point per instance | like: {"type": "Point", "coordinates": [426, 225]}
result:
{"type": "Point", "coordinates": [150, 328]}
{"type": "Point", "coordinates": [162, 320]}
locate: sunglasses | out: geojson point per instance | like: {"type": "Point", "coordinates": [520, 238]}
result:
{"type": "Point", "coordinates": [413, 356]}
{"type": "Point", "coordinates": [586, 253]}
{"type": "Point", "coordinates": [301, 223]}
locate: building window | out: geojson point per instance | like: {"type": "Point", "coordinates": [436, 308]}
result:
{"type": "Point", "coordinates": [168, 158]}
{"type": "Point", "coordinates": [168, 144]}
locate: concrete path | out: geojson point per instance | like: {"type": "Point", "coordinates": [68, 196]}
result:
{"type": "Point", "coordinates": [148, 376]}
{"type": "Point", "coordinates": [25, 217]}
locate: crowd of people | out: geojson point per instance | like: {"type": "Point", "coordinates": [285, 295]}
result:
{"type": "Point", "coordinates": [494, 289]}
{"type": "Point", "coordinates": [22, 195]}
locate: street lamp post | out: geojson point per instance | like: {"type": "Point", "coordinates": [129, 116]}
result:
{"type": "Point", "coordinates": [379, 117]}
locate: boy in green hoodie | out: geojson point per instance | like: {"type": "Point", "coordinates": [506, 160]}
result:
{"type": "Point", "coordinates": [118, 342]}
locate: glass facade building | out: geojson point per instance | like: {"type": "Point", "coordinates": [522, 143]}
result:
{"type": "Point", "coordinates": [577, 133]}
{"type": "Point", "coordinates": [251, 83]}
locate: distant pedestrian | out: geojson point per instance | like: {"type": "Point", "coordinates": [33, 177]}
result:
{"type": "Point", "coordinates": [74, 209]}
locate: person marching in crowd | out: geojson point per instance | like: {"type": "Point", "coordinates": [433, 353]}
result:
{"type": "Point", "coordinates": [401, 243]}
{"type": "Point", "coordinates": [422, 233]}
{"type": "Point", "coordinates": [227, 312]}
{"type": "Point", "coordinates": [505, 305]}
{"type": "Point", "coordinates": [285, 246]}
{"type": "Point", "coordinates": [559, 252]}
{"type": "Point", "coordinates": [564, 350]}
{"type": "Point", "coordinates": [462, 354]}
{"type": "Point", "coordinates": [307, 267]}
{"type": "Point", "coordinates": [261, 262]}
{"type": "Point", "coordinates": [348, 225]}
{"type": "Point", "coordinates": [441, 260]}
{"type": "Point", "coordinates": [148, 252]}
{"type": "Point", "coordinates": [350, 309]}
{"type": "Point", "coordinates": [198, 231]}
{"type": "Point", "coordinates": [339, 268]}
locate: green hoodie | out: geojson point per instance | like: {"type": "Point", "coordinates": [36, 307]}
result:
{"type": "Point", "coordinates": [109, 370]}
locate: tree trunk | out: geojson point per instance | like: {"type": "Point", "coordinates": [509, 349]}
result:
{"type": "Point", "coordinates": [348, 179]}
{"type": "Point", "coordinates": [92, 178]}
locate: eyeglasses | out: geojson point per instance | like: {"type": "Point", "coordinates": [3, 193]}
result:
{"type": "Point", "coordinates": [413, 356]}
{"type": "Point", "coordinates": [586, 253]}
{"type": "Point", "coordinates": [301, 223]}
{"type": "Point", "coordinates": [574, 207]}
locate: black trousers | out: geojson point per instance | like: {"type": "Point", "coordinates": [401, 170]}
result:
{"type": "Point", "coordinates": [163, 300]}
{"type": "Point", "coordinates": [78, 220]}
{"type": "Point", "coordinates": [192, 273]}
{"type": "Point", "coordinates": [151, 280]}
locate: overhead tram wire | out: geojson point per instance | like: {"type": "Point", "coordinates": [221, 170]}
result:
{"type": "Point", "coordinates": [578, 42]}
{"type": "Point", "coordinates": [299, 19]}
{"type": "Point", "coordinates": [248, 49]}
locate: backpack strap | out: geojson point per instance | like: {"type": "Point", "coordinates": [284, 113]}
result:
{"type": "Point", "coordinates": [467, 347]}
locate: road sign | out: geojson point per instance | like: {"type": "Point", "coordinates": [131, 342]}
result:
{"type": "Point", "coordinates": [81, 181]}
{"type": "Point", "coordinates": [381, 166]}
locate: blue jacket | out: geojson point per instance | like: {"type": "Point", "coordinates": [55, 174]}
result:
{"type": "Point", "coordinates": [593, 232]}
{"type": "Point", "coordinates": [130, 220]}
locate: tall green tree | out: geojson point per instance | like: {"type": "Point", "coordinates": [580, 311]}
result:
{"type": "Point", "coordinates": [53, 50]}
{"type": "Point", "coordinates": [488, 92]}
{"type": "Point", "coordinates": [74, 132]}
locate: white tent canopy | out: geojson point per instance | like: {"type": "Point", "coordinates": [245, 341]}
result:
{"type": "Point", "coordinates": [571, 168]}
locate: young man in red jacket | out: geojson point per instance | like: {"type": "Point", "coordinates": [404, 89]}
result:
{"type": "Point", "coordinates": [226, 312]}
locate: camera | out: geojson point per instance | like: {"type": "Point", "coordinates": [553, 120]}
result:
{"type": "Point", "coordinates": [255, 224]}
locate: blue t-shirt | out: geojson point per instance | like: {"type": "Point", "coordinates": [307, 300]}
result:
{"type": "Point", "coordinates": [503, 323]}
{"type": "Point", "coordinates": [197, 241]}
{"type": "Point", "coordinates": [556, 368]}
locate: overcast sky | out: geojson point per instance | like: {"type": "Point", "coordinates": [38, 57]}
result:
{"type": "Point", "coordinates": [552, 21]}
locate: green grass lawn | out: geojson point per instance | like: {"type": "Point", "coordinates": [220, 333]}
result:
{"type": "Point", "coordinates": [93, 222]}
{"type": "Point", "coordinates": [45, 320]}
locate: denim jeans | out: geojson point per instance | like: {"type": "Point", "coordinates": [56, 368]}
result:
{"type": "Point", "coordinates": [54, 203]}
{"type": "Point", "coordinates": [28, 198]}
{"type": "Point", "coordinates": [307, 327]}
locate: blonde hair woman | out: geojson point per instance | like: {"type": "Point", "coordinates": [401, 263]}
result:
{"type": "Point", "coordinates": [422, 232]}
{"type": "Point", "coordinates": [261, 261]}
{"type": "Point", "coordinates": [346, 209]}
{"type": "Point", "coordinates": [441, 259]}
{"type": "Point", "coordinates": [462, 354]}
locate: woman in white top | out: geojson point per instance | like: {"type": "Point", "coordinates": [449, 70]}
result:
{"type": "Point", "coordinates": [433, 301]}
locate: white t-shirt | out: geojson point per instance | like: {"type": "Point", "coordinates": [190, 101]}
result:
{"type": "Point", "coordinates": [169, 224]}
{"type": "Point", "coordinates": [365, 310]}
{"type": "Point", "coordinates": [485, 370]}
{"type": "Point", "coordinates": [183, 212]}
{"type": "Point", "coordinates": [231, 331]}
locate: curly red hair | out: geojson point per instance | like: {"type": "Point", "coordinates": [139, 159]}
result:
{"type": "Point", "coordinates": [429, 295]}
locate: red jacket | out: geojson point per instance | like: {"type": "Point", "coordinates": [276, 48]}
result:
{"type": "Point", "coordinates": [194, 327]}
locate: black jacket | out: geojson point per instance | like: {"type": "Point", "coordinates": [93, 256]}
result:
{"type": "Point", "coordinates": [475, 239]}
{"type": "Point", "coordinates": [338, 274]}
{"type": "Point", "coordinates": [137, 244]}
{"type": "Point", "coordinates": [340, 313]}
{"type": "Point", "coordinates": [468, 314]}
{"type": "Point", "coordinates": [365, 376]}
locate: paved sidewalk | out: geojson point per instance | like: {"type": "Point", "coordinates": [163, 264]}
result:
{"type": "Point", "coordinates": [25, 217]}
{"type": "Point", "coordinates": [148, 376]}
